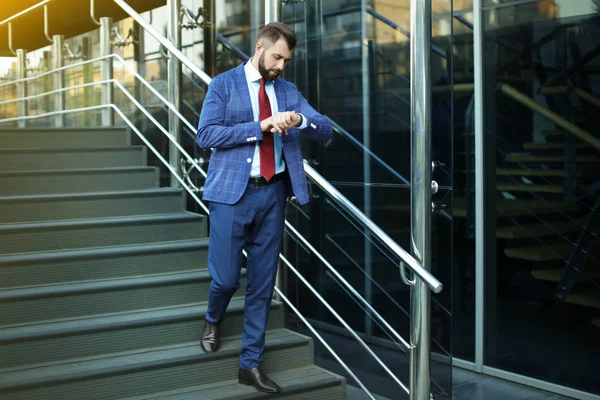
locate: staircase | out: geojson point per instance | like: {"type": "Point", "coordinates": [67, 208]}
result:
{"type": "Point", "coordinates": [104, 282]}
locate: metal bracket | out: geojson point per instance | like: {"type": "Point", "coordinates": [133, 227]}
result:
{"type": "Point", "coordinates": [46, 28]}
{"type": "Point", "coordinates": [435, 187]}
{"type": "Point", "coordinates": [92, 13]}
{"type": "Point", "coordinates": [10, 39]}
{"type": "Point", "coordinates": [78, 55]}
{"type": "Point", "coordinates": [186, 173]}
{"type": "Point", "coordinates": [404, 276]}
{"type": "Point", "coordinates": [120, 40]}
{"type": "Point", "coordinates": [6, 77]}
{"type": "Point", "coordinates": [41, 67]}
{"type": "Point", "coordinates": [193, 19]}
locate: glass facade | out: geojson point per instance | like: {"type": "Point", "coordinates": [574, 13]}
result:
{"type": "Point", "coordinates": [542, 292]}
{"type": "Point", "coordinates": [541, 68]}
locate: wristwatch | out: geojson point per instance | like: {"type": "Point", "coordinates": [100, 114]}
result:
{"type": "Point", "coordinates": [299, 124]}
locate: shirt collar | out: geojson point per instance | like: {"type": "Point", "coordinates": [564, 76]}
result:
{"type": "Point", "coordinates": [252, 74]}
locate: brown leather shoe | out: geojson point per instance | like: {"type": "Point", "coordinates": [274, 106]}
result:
{"type": "Point", "coordinates": [261, 382]}
{"type": "Point", "coordinates": [211, 337]}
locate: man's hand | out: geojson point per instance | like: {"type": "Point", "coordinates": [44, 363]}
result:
{"type": "Point", "coordinates": [280, 122]}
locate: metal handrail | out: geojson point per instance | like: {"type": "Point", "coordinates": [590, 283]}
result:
{"type": "Point", "coordinates": [527, 101]}
{"type": "Point", "coordinates": [361, 146]}
{"type": "Point", "coordinates": [231, 47]}
{"type": "Point", "coordinates": [23, 12]}
{"type": "Point", "coordinates": [583, 94]}
{"type": "Point", "coordinates": [388, 242]}
{"type": "Point", "coordinates": [376, 15]}
{"type": "Point", "coordinates": [164, 41]}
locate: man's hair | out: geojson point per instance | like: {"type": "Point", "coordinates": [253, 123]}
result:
{"type": "Point", "coordinates": [274, 31]}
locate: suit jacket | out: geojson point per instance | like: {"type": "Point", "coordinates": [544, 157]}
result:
{"type": "Point", "coordinates": [227, 125]}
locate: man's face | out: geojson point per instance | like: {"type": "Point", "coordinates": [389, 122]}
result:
{"type": "Point", "coordinates": [273, 59]}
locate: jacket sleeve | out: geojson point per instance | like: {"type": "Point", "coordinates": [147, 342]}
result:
{"type": "Point", "coordinates": [212, 130]}
{"type": "Point", "coordinates": [318, 126]}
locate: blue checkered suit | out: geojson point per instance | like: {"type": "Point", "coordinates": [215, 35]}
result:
{"type": "Point", "coordinates": [227, 125]}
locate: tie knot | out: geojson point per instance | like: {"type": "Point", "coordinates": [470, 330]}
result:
{"type": "Point", "coordinates": [261, 81]}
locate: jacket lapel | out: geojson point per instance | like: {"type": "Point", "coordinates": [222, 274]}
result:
{"type": "Point", "coordinates": [280, 94]}
{"type": "Point", "coordinates": [241, 86]}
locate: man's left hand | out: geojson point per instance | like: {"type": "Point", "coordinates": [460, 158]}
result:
{"type": "Point", "coordinates": [285, 120]}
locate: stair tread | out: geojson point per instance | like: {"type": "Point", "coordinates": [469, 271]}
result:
{"type": "Point", "coordinates": [509, 208]}
{"type": "Point", "coordinates": [588, 298]}
{"type": "Point", "coordinates": [102, 252]}
{"type": "Point", "coordinates": [111, 364]}
{"type": "Point", "coordinates": [75, 171]}
{"type": "Point", "coordinates": [536, 230]}
{"type": "Point", "coordinates": [544, 252]}
{"type": "Point", "coordinates": [520, 157]}
{"type": "Point", "coordinates": [291, 381]}
{"type": "Point", "coordinates": [553, 275]}
{"type": "Point", "coordinates": [119, 220]}
{"type": "Point", "coordinates": [107, 322]}
{"type": "Point", "coordinates": [522, 187]}
{"type": "Point", "coordinates": [551, 146]}
{"type": "Point", "coordinates": [101, 285]}
{"type": "Point", "coordinates": [71, 149]}
{"type": "Point", "coordinates": [533, 172]}
{"type": "Point", "coordinates": [91, 195]}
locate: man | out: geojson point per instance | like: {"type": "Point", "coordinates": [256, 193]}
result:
{"type": "Point", "coordinates": [253, 120]}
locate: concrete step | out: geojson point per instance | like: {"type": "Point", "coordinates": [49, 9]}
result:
{"type": "Point", "coordinates": [37, 345]}
{"type": "Point", "coordinates": [306, 383]}
{"type": "Point", "coordinates": [50, 207]}
{"type": "Point", "coordinates": [63, 138]}
{"type": "Point", "coordinates": [57, 159]}
{"type": "Point", "coordinates": [27, 305]}
{"type": "Point", "coordinates": [149, 370]}
{"type": "Point", "coordinates": [77, 234]}
{"type": "Point", "coordinates": [24, 183]}
{"type": "Point", "coordinates": [63, 267]}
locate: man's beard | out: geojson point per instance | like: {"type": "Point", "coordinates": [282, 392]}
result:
{"type": "Point", "coordinates": [267, 74]}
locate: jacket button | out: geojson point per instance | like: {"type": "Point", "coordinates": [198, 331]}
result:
{"type": "Point", "coordinates": [249, 160]}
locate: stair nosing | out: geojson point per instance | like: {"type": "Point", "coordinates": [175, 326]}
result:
{"type": "Point", "coordinates": [101, 285]}
{"type": "Point", "coordinates": [100, 149]}
{"type": "Point", "coordinates": [92, 195]}
{"type": "Point", "coordinates": [41, 330]}
{"type": "Point", "coordinates": [148, 359]}
{"type": "Point", "coordinates": [80, 171]}
{"type": "Point", "coordinates": [140, 219]}
{"type": "Point", "coordinates": [102, 252]}
{"type": "Point", "coordinates": [330, 380]}
{"type": "Point", "coordinates": [122, 128]}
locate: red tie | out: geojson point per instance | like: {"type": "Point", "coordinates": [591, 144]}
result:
{"type": "Point", "coordinates": [266, 149]}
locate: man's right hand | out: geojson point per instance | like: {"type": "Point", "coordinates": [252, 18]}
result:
{"type": "Point", "coordinates": [280, 123]}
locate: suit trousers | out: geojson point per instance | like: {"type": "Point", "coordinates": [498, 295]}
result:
{"type": "Point", "coordinates": [255, 223]}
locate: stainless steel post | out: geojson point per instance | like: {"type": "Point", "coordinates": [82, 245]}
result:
{"type": "Point", "coordinates": [107, 91]}
{"type": "Point", "coordinates": [174, 80]}
{"type": "Point", "coordinates": [88, 77]}
{"type": "Point", "coordinates": [140, 59]}
{"type": "Point", "coordinates": [272, 11]}
{"type": "Point", "coordinates": [210, 38]}
{"type": "Point", "coordinates": [22, 86]}
{"type": "Point", "coordinates": [420, 75]}
{"type": "Point", "coordinates": [59, 78]}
